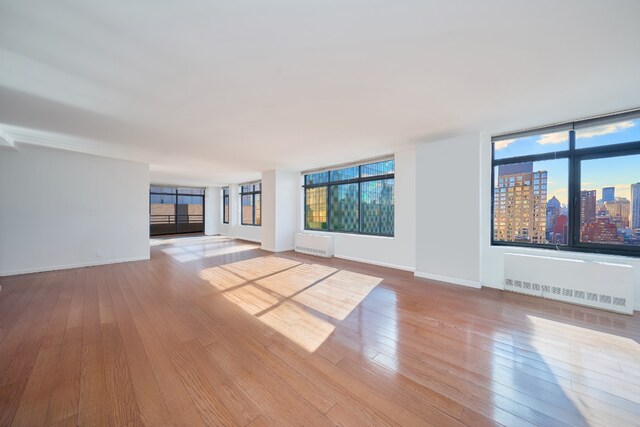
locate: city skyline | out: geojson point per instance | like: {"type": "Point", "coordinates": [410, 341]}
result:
{"type": "Point", "coordinates": [618, 172]}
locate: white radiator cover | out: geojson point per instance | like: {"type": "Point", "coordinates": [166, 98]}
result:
{"type": "Point", "coordinates": [596, 284]}
{"type": "Point", "coordinates": [315, 244]}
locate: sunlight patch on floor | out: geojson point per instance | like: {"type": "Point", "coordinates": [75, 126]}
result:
{"type": "Point", "coordinates": [337, 295]}
{"type": "Point", "coordinates": [255, 268]}
{"type": "Point", "coordinates": [602, 340]}
{"type": "Point", "coordinates": [297, 300]}
{"type": "Point", "coordinates": [196, 252]}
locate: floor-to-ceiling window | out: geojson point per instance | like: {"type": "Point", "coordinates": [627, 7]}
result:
{"type": "Point", "coordinates": [251, 203]}
{"type": "Point", "coordinates": [176, 210]}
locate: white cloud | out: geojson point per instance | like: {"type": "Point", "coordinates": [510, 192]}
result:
{"type": "Point", "coordinates": [554, 138]}
{"type": "Point", "coordinates": [605, 129]}
{"type": "Point", "coordinates": [502, 144]}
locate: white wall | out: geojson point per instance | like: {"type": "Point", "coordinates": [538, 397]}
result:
{"type": "Point", "coordinates": [398, 251]}
{"type": "Point", "coordinates": [492, 257]}
{"type": "Point", "coordinates": [448, 210]}
{"type": "Point", "coordinates": [234, 228]}
{"type": "Point", "coordinates": [60, 209]}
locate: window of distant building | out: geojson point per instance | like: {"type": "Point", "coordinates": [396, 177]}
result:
{"type": "Point", "coordinates": [225, 205]}
{"type": "Point", "coordinates": [251, 204]}
{"type": "Point", "coordinates": [574, 186]}
{"type": "Point", "coordinates": [352, 199]}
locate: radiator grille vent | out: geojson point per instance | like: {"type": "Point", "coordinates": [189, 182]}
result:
{"type": "Point", "coordinates": [593, 283]}
{"type": "Point", "coordinates": [564, 294]}
{"type": "Point", "coordinates": [605, 299]}
{"type": "Point", "coordinates": [619, 301]}
{"type": "Point", "coordinates": [311, 250]}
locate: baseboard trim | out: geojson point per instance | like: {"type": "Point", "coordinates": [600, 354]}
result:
{"type": "Point", "coordinates": [381, 264]}
{"type": "Point", "coordinates": [68, 266]}
{"type": "Point", "coordinates": [447, 279]}
{"type": "Point", "coordinates": [246, 238]}
{"type": "Point", "coordinates": [493, 286]}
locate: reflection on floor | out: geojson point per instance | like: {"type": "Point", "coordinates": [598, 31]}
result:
{"type": "Point", "coordinates": [293, 298]}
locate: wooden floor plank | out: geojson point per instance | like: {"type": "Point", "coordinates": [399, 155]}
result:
{"type": "Point", "coordinates": [213, 330]}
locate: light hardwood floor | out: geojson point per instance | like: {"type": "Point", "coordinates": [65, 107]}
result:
{"type": "Point", "coordinates": [213, 331]}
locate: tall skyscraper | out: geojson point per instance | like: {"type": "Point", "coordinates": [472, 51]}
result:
{"type": "Point", "coordinates": [587, 206]}
{"type": "Point", "coordinates": [520, 203]}
{"type": "Point", "coordinates": [608, 194]}
{"type": "Point", "coordinates": [635, 205]}
{"type": "Point", "coordinates": [553, 211]}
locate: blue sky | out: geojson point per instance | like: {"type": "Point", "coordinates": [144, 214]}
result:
{"type": "Point", "coordinates": [618, 172]}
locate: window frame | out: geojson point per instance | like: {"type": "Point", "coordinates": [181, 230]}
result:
{"type": "Point", "coordinates": [253, 194]}
{"type": "Point", "coordinates": [359, 180]}
{"type": "Point", "coordinates": [226, 201]}
{"type": "Point", "coordinates": [574, 156]}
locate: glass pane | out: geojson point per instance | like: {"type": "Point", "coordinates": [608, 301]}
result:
{"type": "Point", "coordinates": [376, 207]}
{"type": "Point", "coordinates": [316, 208]}
{"type": "Point", "coordinates": [156, 189]}
{"type": "Point", "coordinates": [225, 191]}
{"type": "Point", "coordinates": [246, 189]}
{"type": "Point", "coordinates": [247, 209]}
{"type": "Point", "coordinates": [258, 209]}
{"type": "Point", "coordinates": [162, 199]}
{"type": "Point", "coordinates": [344, 174]}
{"type": "Point", "coordinates": [610, 133]}
{"type": "Point", "coordinates": [380, 168]}
{"type": "Point", "coordinates": [534, 144]}
{"type": "Point", "coordinates": [344, 207]}
{"type": "Point", "coordinates": [162, 210]}
{"type": "Point", "coordinates": [196, 200]}
{"type": "Point", "coordinates": [610, 201]}
{"type": "Point", "coordinates": [316, 178]}
{"type": "Point", "coordinates": [225, 217]}
{"type": "Point", "coordinates": [257, 187]}
{"type": "Point", "coordinates": [530, 202]}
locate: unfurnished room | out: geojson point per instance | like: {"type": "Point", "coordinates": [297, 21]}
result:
{"type": "Point", "coordinates": [320, 213]}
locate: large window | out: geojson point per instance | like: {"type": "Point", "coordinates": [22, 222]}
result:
{"type": "Point", "coordinates": [225, 205]}
{"type": "Point", "coordinates": [355, 199]}
{"type": "Point", "coordinates": [574, 186]}
{"type": "Point", "coordinates": [251, 204]}
{"type": "Point", "coordinates": [176, 210]}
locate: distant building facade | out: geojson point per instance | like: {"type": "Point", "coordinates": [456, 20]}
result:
{"type": "Point", "coordinates": [520, 208]}
{"type": "Point", "coordinates": [587, 206]}
{"type": "Point", "coordinates": [601, 230]}
{"type": "Point", "coordinates": [635, 205]}
{"type": "Point", "coordinates": [608, 194]}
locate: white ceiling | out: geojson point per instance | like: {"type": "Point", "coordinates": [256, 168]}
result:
{"type": "Point", "coordinates": [213, 92]}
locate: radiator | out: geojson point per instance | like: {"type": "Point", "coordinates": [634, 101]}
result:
{"type": "Point", "coordinates": [314, 244]}
{"type": "Point", "coordinates": [601, 285]}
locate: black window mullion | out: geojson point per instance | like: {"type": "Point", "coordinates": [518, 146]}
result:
{"type": "Point", "coordinates": [574, 196]}
{"type": "Point", "coordinates": [329, 211]}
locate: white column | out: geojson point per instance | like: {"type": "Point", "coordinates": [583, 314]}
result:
{"type": "Point", "coordinates": [212, 211]}
{"type": "Point", "coordinates": [279, 210]}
